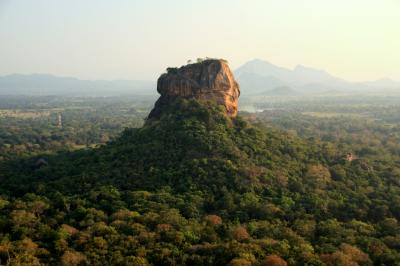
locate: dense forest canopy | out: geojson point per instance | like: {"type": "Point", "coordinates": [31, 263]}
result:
{"type": "Point", "coordinates": [297, 184]}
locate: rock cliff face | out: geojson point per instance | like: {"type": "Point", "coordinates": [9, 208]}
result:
{"type": "Point", "coordinates": [210, 80]}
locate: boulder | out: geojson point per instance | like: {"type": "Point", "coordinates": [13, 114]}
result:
{"type": "Point", "coordinates": [209, 80]}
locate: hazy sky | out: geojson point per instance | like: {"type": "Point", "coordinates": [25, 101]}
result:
{"type": "Point", "coordinates": [132, 39]}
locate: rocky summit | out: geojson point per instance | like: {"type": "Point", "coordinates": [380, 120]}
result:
{"type": "Point", "coordinates": [208, 80]}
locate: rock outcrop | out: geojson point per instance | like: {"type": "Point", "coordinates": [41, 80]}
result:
{"type": "Point", "coordinates": [209, 80]}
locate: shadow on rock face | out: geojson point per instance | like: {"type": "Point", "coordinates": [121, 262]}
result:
{"type": "Point", "coordinates": [210, 80]}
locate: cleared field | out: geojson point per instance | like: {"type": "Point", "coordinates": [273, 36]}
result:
{"type": "Point", "coordinates": [24, 114]}
{"type": "Point", "coordinates": [332, 114]}
{"type": "Point", "coordinates": [38, 113]}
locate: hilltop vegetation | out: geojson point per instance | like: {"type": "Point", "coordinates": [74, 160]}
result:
{"type": "Point", "coordinates": [195, 187]}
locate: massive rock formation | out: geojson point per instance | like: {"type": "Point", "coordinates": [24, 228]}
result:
{"type": "Point", "coordinates": [209, 80]}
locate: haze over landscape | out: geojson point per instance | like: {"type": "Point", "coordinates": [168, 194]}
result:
{"type": "Point", "coordinates": [240, 133]}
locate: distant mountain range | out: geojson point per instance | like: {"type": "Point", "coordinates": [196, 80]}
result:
{"type": "Point", "coordinates": [258, 77]}
{"type": "Point", "coordinates": [43, 84]}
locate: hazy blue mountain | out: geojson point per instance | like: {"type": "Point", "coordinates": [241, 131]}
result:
{"type": "Point", "coordinates": [256, 77]}
{"type": "Point", "coordinates": [259, 76]}
{"type": "Point", "coordinates": [384, 83]}
{"type": "Point", "coordinates": [281, 91]}
{"type": "Point", "coordinates": [255, 84]}
{"type": "Point", "coordinates": [43, 84]}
